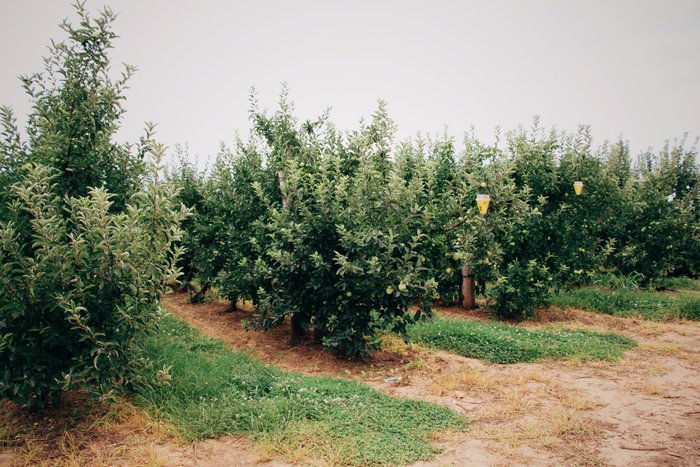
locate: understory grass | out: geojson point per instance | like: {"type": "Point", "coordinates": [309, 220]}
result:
{"type": "Point", "coordinates": [214, 391]}
{"type": "Point", "coordinates": [646, 304]}
{"type": "Point", "coordinates": [502, 343]}
{"type": "Point", "coordinates": [675, 283]}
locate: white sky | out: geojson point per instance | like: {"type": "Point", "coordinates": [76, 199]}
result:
{"type": "Point", "coordinates": [624, 67]}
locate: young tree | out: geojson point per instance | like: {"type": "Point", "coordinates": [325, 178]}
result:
{"type": "Point", "coordinates": [76, 109]}
{"type": "Point", "coordinates": [86, 234]}
{"type": "Point", "coordinates": [77, 290]}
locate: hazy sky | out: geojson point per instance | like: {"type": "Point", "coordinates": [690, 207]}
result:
{"type": "Point", "coordinates": [624, 67]}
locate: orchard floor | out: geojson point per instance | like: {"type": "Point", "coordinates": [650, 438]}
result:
{"type": "Point", "coordinates": [643, 409]}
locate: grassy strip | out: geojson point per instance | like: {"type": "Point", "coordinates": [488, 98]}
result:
{"type": "Point", "coordinates": [215, 391]}
{"type": "Point", "coordinates": [501, 343]}
{"type": "Point", "coordinates": [656, 306]}
{"type": "Point", "coordinates": [675, 283]}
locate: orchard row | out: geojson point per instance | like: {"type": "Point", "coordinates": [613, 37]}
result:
{"type": "Point", "coordinates": [346, 231]}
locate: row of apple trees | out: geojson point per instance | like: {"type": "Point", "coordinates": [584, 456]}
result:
{"type": "Point", "coordinates": [345, 231]}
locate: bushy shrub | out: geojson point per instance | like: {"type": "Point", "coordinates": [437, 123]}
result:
{"type": "Point", "coordinates": [659, 230]}
{"type": "Point", "coordinates": [220, 236]}
{"type": "Point", "coordinates": [86, 233]}
{"type": "Point", "coordinates": [79, 288]}
{"type": "Point", "coordinates": [76, 109]}
{"type": "Point", "coordinates": [519, 288]}
{"type": "Point", "coordinates": [343, 233]}
{"type": "Point", "coordinates": [343, 253]}
{"type": "Point", "coordinates": [571, 236]}
{"type": "Point", "coordinates": [625, 217]}
{"type": "Point", "coordinates": [325, 227]}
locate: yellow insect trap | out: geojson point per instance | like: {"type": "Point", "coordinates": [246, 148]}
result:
{"type": "Point", "coordinates": [578, 187]}
{"type": "Point", "coordinates": [482, 202]}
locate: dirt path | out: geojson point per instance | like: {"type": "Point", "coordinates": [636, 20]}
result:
{"type": "Point", "coordinates": [644, 409]}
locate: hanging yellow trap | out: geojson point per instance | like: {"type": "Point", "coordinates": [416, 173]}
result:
{"type": "Point", "coordinates": [482, 201]}
{"type": "Point", "coordinates": [578, 187]}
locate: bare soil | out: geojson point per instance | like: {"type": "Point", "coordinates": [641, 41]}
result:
{"type": "Point", "coordinates": [643, 409]}
{"type": "Point", "coordinates": [84, 433]}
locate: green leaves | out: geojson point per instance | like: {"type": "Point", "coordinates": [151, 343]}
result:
{"type": "Point", "coordinates": [305, 223]}
{"type": "Point", "coordinates": [83, 287]}
{"type": "Point", "coordinates": [344, 232]}
{"type": "Point", "coordinates": [86, 232]}
{"type": "Point", "coordinates": [76, 109]}
{"type": "Point", "coordinates": [519, 288]}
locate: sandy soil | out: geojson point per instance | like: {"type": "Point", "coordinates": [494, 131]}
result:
{"type": "Point", "coordinates": [643, 410]}
{"type": "Point", "coordinates": [85, 433]}
{"type": "Point", "coordinates": [222, 452]}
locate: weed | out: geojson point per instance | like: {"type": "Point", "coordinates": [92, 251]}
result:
{"type": "Point", "coordinates": [393, 343]}
{"type": "Point", "coordinates": [547, 430]}
{"type": "Point", "coordinates": [646, 304]}
{"type": "Point", "coordinates": [468, 378]}
{"type": "Point", "coordinates": [500, 343]}
{"type": "Point", "coordinates": [417, 365]}
{"type": "Point", "coordinates": [675, 283]}
{"type": "Point", "coordinates": [80, 432]}
{"type": "Point", "coordinates": [649, 388]}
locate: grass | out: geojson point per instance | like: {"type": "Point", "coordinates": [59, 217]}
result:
{"type": "Point", "coordinates": [646, 304]}
{"type": "Point", "coordinates": [214, 391]}
{"type": "Point", "coordinates": [501, 343]}
{"type": "Point", "coordinates": [79, 432]}
{"type": "Point", "coordinates": [675, 283]}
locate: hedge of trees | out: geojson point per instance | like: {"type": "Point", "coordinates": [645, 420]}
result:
{"type": "Point", "coordinates": [345, 231]}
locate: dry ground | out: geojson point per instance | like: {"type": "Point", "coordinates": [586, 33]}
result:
{"type": "Point", "coordinates": [643, 410]}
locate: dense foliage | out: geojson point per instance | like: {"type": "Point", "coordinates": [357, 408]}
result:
{"type": "Point", "coordinates": [86, 232]}
{"type": "Point", "coordinates": [343, 232]}
{"type": "Point", "coordinates": [76, 108]}
{"type": "Point", "coordinates": [633, 217]}
{"type": "Point", "coordinates": [78, 288]}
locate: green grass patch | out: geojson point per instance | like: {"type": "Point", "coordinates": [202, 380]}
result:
{"type": "Point", "coordinates": [502, 343]}
{"type": "Point", "coordinates": [646, 304]}
{"type": "Point", "coordinates": [675, 283]}
{"type": "Point", "coordinates": [216, 391]}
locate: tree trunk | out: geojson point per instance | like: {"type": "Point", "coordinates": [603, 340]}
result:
{"type": "Point", "coordinates": [282, 178]}
{"type": "Point", "coordinates": [469, 300]}
{"type": "Point", "coordinates": [298, 332]}
{"type": "Point", "coordinates": [319, 334]}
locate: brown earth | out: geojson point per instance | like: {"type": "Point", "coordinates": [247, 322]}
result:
{"type": "Point", "coordinates": [644, 409]}
{"type": "Point", "coordinates": [84, 433]}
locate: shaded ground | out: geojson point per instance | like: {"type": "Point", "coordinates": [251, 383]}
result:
{"type": "Point", "coordinates": [644, 409]}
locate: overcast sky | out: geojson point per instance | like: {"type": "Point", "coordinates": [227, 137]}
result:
{"type": "Point", "coordinates": [628, 68]}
